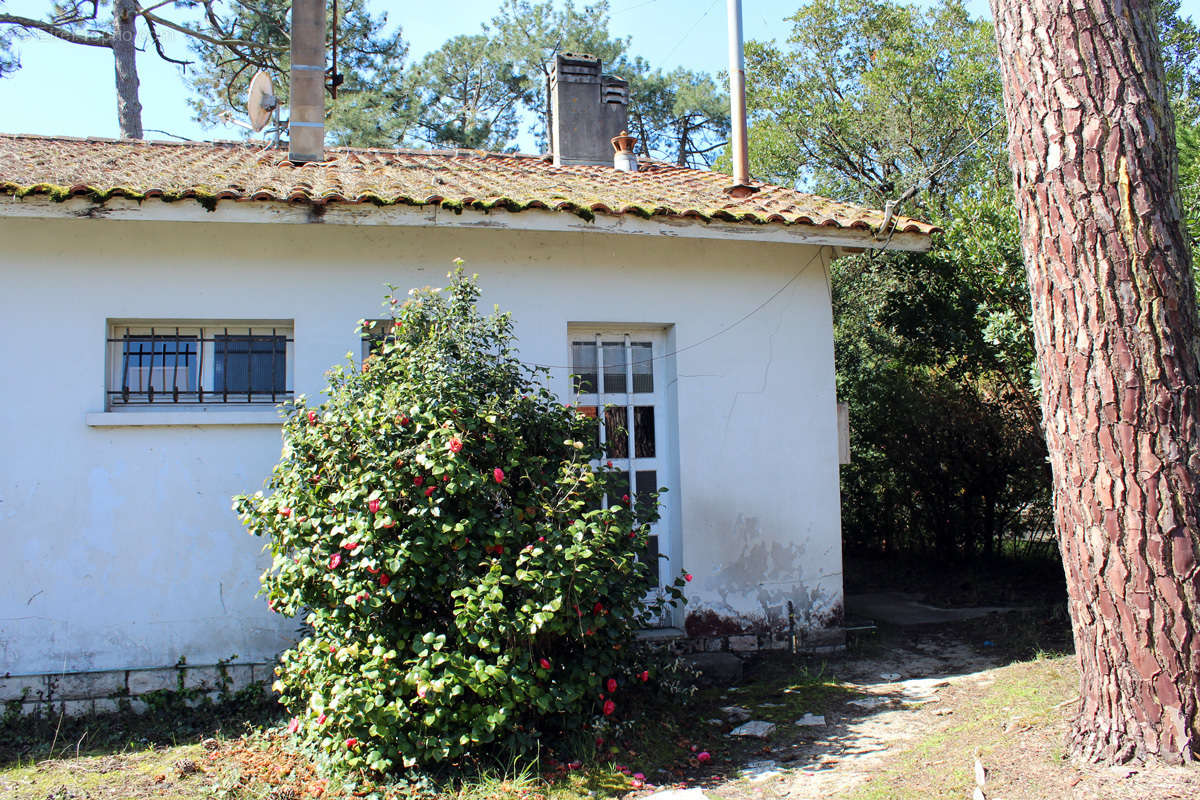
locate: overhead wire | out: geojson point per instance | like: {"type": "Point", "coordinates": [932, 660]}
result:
{"type": "Point", "coordinates": [690, 30]}
{"type": "Point", "coordinates": [816, 256]}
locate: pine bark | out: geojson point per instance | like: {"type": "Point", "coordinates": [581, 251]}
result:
{"type": "Point", "coordinates": [129, 107]}
{"type": "Point", "coordinates": [1091, 141]}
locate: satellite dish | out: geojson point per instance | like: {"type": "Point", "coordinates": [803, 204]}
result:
{"type": "Point", "coordinates": [260, 100]}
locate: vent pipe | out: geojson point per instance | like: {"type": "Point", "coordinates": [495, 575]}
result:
{"type": "Point", "coordinates": [737, 96]}
{"type": "Point", "coordinates": [624, 158]}
{"type": "Point", "coordinates": [306, 127]}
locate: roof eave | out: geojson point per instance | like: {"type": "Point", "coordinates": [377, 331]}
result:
{"type": "Point", "coordinates": [264, 211]}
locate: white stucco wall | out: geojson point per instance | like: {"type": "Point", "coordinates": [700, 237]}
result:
{"type": "Point", "coordinates": [121, 548]}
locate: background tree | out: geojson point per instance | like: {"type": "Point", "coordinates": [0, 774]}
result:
{"type": "Point", "coordinates": [468, 95]}
{"type": "Point", "coordinates": [875, 101]}
{"type": "Point", "coordinates": [113, 25]}
{"type": "Point", "coordinates": [680, 116]}
{"type": "Point", "coordinates": [871, 98]}
{"type": "Point", "coordinates": [1118, 345]}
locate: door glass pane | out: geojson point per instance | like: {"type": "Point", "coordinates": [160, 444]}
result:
{"type": "Point", "coordinates": [616, 431]}
{"type": "Point", "coordinates": [643, 431]}
{"type": "Point", "coordinates": [583, 367]}
{"type": "Point", "coordinates": [649, 556]}
{"type": "Point", "coordinates": [647, 491]}
{"type": "Point", "coordinates": [618, 490]}
{"type": "Point", "coordinates": [642, 354]}
{"type": "Point", "coordinates": [592, 442]}
{"type": "Point", "coordinates": [614, 368]}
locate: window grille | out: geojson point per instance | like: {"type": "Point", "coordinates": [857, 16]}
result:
{"type": "Point", "coordinates": [196, 365]}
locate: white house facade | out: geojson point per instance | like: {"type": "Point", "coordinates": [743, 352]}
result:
{"type": "Point", "coordinates": [152, 318]}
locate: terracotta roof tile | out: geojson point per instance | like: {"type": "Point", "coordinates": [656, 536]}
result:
{"type": "Point", "coordinates": [63, 167]}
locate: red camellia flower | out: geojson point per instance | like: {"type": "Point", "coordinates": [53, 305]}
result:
{"type": "Point", "coordinates": [351, 546]}
{"type": "Point", "coordinates": [429, 491]}
{"type": "Point", "coordinates": [312, 418]}
{"type": "Point", "coordinates": [544, 663]}
{"type": "Point", "coordinates": [455, 445]}
{"type": "Point", "coordinates": [417, 481]}
{"type": "Point", "coordinates": [609, 708]}
{"type": "Point", "coordinates": [598, 608]}
{"type": "Point", "coordinates": [498, 474]}
{"type": "Point", "coordinates": [688, 577]}
{"type": "Point", "coordinates": [334, 560]}
{"type": "Point", "coordinates": [403, 420]}
{"type": "Point", "coordinates": [285, 511]}
{"type": "Point", "coordinates": [611, 685]}
{"type": "Point", "coordinates": [294, 725]}
{"type": "Point", "coordinates": [703, 756]}
{"type": "Point", "coordinates": [645, 676]}
{"type": "Point", "coordinates": [321, 719]}
{"type": "Point", "coordinates": [625, 499]}
{"type": "Point", "coordinates": [351, 743]}
{"type": "Point", "coordinates": [384, 579]}
{"type": "Point", "coordinates": [373, 506]}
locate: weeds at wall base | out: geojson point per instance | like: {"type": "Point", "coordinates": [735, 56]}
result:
{"type": "Point", "coordinates": [171, 717]}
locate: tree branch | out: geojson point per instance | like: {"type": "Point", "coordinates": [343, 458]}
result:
{"type": "Point", "coordinates": [159, 47]}
{"type": "Point", "coordinates": [204, 37]}
{"type": "Point", "coordinates": [102, 40]}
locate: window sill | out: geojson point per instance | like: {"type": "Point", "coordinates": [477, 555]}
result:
{"type": "Point", "coordinates": [193, 417]}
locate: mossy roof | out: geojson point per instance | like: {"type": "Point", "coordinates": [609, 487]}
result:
{"type": "Point", "coordinates": [62, 167]}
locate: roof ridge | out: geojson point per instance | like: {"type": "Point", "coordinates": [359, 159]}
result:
{"type": "Point", "coordinates": [260, 144]}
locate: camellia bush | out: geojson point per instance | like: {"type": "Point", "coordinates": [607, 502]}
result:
{"type": "Point", "coordinates": [439, 523]}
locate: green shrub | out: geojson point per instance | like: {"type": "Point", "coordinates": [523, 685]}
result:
{"type": "Point", "coordinates": [438, 520]}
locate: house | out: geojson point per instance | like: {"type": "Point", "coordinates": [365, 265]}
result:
{"type": "Point", "coordinates": [158, 300]}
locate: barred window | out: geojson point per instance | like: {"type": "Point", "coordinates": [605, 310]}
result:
{"type": "Point", "coordinates": [197, 364]}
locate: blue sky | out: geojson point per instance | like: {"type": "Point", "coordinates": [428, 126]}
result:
{"type": "Point", "coordinates": [68, 89]}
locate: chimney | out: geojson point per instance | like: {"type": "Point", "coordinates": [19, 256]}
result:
{"type": "Point", "coordinates": [588, 109]}
{"type": "Point", "coordinates": [306, 126]}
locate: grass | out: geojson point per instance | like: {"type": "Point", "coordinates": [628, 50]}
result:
{"type": "Point", "coordinates": [149, 773]}
{"type": "Point", "coordinates": [1027, 699]}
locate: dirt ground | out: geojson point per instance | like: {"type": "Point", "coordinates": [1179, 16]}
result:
{"type": "Point", "coordinates": [927, 706]}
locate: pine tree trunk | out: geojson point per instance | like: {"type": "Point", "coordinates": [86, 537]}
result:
{"type": "Point", "coordinates": [1095, 175]}
{"type": "Point", "coordinates": [129, 108]}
